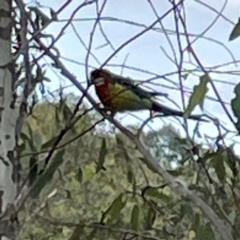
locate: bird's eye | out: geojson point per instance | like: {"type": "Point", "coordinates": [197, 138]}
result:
{"type": "Point", "coordinates": [95, 74]}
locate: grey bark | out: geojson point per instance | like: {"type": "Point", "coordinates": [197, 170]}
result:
{"type": "Point", "coordinates": [8, 188]}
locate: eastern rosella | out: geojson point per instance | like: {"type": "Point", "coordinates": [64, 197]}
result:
{"type": "Point", "coordinates": [119, 94]}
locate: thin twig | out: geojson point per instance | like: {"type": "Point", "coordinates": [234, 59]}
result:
{"type": "Point", "coordinates": [222, 228]}
{"type": "Point", "coordinates": [139, 34]}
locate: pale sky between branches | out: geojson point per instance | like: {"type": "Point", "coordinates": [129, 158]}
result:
{"type": "Point", "coordinates": [146, 52]}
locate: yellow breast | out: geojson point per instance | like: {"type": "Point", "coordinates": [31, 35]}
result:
{"type": "Point", "coordinates": [123, 99]}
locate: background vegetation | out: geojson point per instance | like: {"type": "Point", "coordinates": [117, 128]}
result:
{"type": "Point", "coordinates": [90, 177]}
{"type": "Point", "coordinates": [102, 190]}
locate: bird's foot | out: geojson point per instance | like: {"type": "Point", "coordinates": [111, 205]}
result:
{"type": "Point", "coordinates": [152, 114]}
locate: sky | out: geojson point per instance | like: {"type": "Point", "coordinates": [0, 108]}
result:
{"type": "Point", "coordinates": [152, 52]}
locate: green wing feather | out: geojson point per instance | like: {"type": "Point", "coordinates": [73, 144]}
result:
{"type": "Point", "coordinates": [133, 86]}
{"type": "Point", "coordinates": [124, 99]}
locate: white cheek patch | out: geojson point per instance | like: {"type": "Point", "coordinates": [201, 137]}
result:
{"type": "Point", "coordinates": [98, 81]}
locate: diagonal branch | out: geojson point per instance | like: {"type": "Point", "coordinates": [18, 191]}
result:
{"type": "Point", "coordinates": [223, 229]}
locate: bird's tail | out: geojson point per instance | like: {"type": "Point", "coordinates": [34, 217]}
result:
{"type": "Point", "coordinates": [166, 111]}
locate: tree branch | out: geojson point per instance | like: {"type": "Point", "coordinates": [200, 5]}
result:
{"type": "Point", "coordinates": [222, 228]}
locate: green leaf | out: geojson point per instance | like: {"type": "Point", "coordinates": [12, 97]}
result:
{"type": "Point", "coordinates": [196, 222]}
{"type": "Point", "coordinates": [24, 137]}
{"type": "Point", "coordinates": [115, 209]}
{"type": "Point", "coordinates": [206, 232]}
{"type": "Point", "coordinates": [68, 193]}
{"type": "Point", "coordinates": [57, 117]}
{"type": "Point", "coordinates": [39, 75]}
{"type": "Point", "coordinates": [120, 143]}
{"type": "Point", "coordinates": [130, 176]}
{"type": "Point", "coordinates": [153, 192]}
{"type": "Point", "coordinates": [185, 76]}
{"type": "Point", "coordinates": [235, 103]}
{"type": "Point", "coordinates": [235, 32]}
{"type": "Point", "coordinates": [135, 217]}
{"type": "Point", "coordinates": [77, 233]}
{"type": "Point", "coordinates": [28, 142]}
{"type": "Point", "coordinates": [49, 143]}
{"type": "Point", "coordinates": [230, 158]}
{"type": "Point", "coordinates": [67, 113]}
{"type": "Point", "coordinates": [79, 175]}
{"type": "Point", "coordinates": [185, 209]}
{"type": "Point", "coordinates": [30, 131]}
{"type": "Point", "coordinates": [46, 79]}
{"type": "Point", "coordinates": [198, 95]}
{"type": "Point", "coordinates": [218, 164]}
{"type": "Point", "coordinates": [53, 14]}
{"type": "Point", "coordinates": [31, 138]}
{"type": "Point", "coordinates": [149, 218]}
{"type": "Point", "coordinates": [102, 155]}
{"type": "Point", "coordinates": [232, 217]}
{"type": "Point", "coordinates": [37, 140]}
{"type": "Point", "coordinates": [175, 173]}
{"type": "Point", "coordinates": [209, 155]}
{"type": "Point", "coordinates": [47, 175]}
{"type": "Point", "coordinates": [92, 234]}
{"type": "Point", "coordinates": [33, 169]}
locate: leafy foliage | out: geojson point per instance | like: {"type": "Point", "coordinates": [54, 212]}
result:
{"type": "Point", "coordinates": [86, 184]}
{"type": "Point", "coordinates": [236, 105]}
{"type": "Point", "coordinates": [102, 155]}
{"type": "Point", "coordinates": [127, 198]}
{"type": "Point", "coordinates": [235, 32]}
{"type": "Point", "coordinates": [198, 95]}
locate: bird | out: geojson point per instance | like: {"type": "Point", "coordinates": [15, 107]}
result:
{"type": "Point", "coordinates": [120, 94]}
